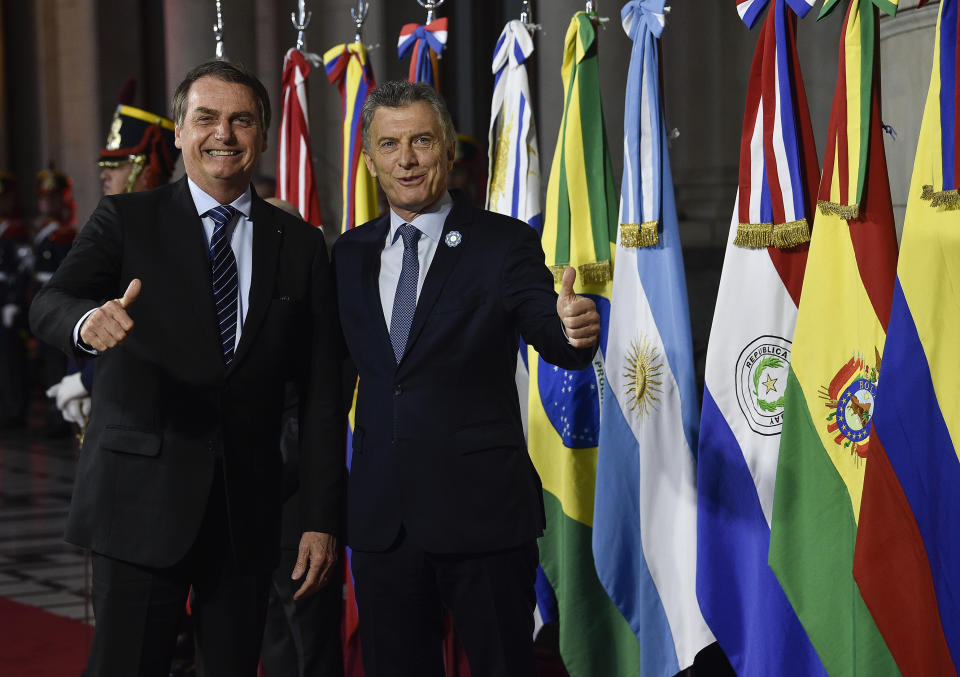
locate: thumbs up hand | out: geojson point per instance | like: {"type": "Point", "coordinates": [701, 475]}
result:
{"type": "Point", "coordinates": [109, 325]}
{"type": "Point", "coordinates": [581, 321]}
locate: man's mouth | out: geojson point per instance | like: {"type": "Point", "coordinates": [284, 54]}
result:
{"type": "Point", "coordinates": [406, 180]}
{"type": "Point", "coordinates": [213, 152]}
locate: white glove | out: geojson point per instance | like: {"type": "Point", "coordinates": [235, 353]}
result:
{"type": "Point", "coordinates": [72, 399]}
{"type": "Point", "coordinates": [10, 312]}
{"type": "Point", "coordinates": [77, 411]}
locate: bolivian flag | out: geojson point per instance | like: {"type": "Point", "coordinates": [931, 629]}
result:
{"type": "Point", "coordinates": [580, 226]}
{"type": "Point", "coordinates": [833, 386]}
{"type": "Point", "coordinates": [907, 561]}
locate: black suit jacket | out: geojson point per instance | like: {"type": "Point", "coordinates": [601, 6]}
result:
{"type": "Point", "coordinates": [438, 442]}
{"type": "Point", "coordinates": [165, 408]}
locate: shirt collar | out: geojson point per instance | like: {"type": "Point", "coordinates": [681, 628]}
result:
{"type": "Point", "coordinates": [430, 222]}
{"type": "Point", "coordinates": [205, 203]}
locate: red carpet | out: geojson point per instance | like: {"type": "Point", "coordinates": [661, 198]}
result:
{"type": "Point", "coordinates": [36, 643]}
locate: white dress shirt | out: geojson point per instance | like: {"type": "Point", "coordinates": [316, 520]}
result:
{"type": "Point", "coordinates": [241, 242]}
{"type": "Point", "coordinates": [430, 223]}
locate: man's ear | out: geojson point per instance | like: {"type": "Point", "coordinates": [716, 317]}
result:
{"type": "Point", "coordinates": [176, 137]}
{"type": "Point", "coordinates": [369, 162]}
{"type": "Point", "coordinates": [451, 155]}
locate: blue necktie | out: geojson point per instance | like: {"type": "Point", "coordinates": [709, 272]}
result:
{"type": "Point", "coordinates": [223, 265]}
{"type": "Point", "coordinates": [405, 300]}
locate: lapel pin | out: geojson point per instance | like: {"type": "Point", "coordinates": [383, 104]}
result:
{"type": "Point", "coordinates": [453, 238]}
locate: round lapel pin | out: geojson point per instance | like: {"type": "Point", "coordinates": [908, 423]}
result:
{"type": "Point", "coordinates": [453, 238]}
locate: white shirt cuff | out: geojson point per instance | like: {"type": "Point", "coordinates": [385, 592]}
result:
{"type": "Point", "coordinates": [76, 335]}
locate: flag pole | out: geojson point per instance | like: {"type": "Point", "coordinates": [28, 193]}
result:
{"type": "Point", "coordinates": [300, 20]}
{"type": "Point", "coordinates": [218, 33]}
{"type": "Point", "coordinates": [359, 16]}
{"type": "Point", "coordinates": [431, 6]}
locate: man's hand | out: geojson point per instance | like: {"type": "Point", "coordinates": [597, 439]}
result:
{"type": "Point", "coordinates": [320, 551]}
{"type": "Point", "coordinates": [581, 321]}
{"type": "Point", "coordinates": [109, 324]}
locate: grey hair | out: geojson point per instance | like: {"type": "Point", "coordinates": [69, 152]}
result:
{"type": "Point", "coordinates": [400, 94]}
{"type": "Point", "coordinates": [228, 72]}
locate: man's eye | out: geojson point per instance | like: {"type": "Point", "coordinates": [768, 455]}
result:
{"type": "Point", "coordinates": [423, 141]}
{"type": "Point", "coordinates": [245, 122]}
{"type": "Point", "coordinates": [387, 145]}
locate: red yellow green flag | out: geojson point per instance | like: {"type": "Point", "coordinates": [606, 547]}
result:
{"type": "Point", "coordinates": [833, 380]}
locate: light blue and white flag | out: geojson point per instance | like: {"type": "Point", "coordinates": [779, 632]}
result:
{"type": "Point", "coordinates": [514, 185]}
{"type": "Point", "coordinates": [645, 515]}
{"type": "Point", "coordinates": [514, 189]}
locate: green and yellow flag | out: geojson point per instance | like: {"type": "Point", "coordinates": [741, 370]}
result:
{"type": "Point", "coordinates": [580, 229]}
{"type": "Point", "coordinates": [833, 382]}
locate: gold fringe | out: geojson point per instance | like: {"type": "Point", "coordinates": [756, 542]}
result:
{"type": "Point", "coordinates": [754, 235]}
{"type": "Point", "coordinates": [595, 273]}
{"type": "Point", "coordinates": [791, 234]}
{"type": "Point", "coordinates": [927, 193]}
{"type": "Point", "coordinates": [639, 234]}
{"type": "Point", "coordinates": [950, 199]}
{"type": "Point", "coordinates": [587, 273]}
{"type": "Point", "coordinates": [845, 212]}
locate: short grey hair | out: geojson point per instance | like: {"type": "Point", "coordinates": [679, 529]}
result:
{"type": "Point", "coordinates": [227, 72]}
{"type": "Point", "coordinates": [400, 94]}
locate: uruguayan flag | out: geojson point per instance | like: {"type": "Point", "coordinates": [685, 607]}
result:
{"type": "Point", "coordinates": [644, 532]}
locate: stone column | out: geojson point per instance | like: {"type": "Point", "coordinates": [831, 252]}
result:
{"type": "Point", "coordinates": [69, 96]}
{"type": "Point", "coordinates": [906, 59]}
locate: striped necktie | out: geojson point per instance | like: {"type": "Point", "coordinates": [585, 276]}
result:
{"type": "Point", "coordinates": [223, 265]}
{"type": "Point", "coordinates": [405, 300]}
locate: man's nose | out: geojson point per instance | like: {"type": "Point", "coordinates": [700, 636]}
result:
{"type": "Point", "coordinates": [408, 158]}
{"type": "Point", "coordinates": [224, 131]}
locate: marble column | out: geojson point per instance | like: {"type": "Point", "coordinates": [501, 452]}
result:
{"type": "Point", "coordinates": [906, 59]}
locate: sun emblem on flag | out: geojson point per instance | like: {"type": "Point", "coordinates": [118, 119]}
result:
{"type": "Point", "coordinates": [643, 377]}
{"type": "Point", "coordinates": [851, 399]}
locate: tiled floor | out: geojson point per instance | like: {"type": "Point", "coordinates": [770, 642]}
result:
{"type": "Point", "coordinates": [36, 566]}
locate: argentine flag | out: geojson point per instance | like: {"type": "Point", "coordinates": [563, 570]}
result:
{"type": "Point", "coordinates": [645, 519]}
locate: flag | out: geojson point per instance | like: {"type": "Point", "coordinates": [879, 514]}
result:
{"type": "Point", "coordinates": [748, 360]}
{"type": "Point", "coordinates": [349, 69]}
{"type": "Point", "coordinates": [906, 561]}
{"type": "Point", "coordinates": [579, 229]}
{"type": "Point", "coordinates": [645, 519]}
{"type": "Point", "coordinates": [295, 182]}
{"type": "Point", "coordinates": [425, 42]}
{"type": "Point", "coordinates": [514, 169]}
{"type": "Point", "coordinates": [832, 381]}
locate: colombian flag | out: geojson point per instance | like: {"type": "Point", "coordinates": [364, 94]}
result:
{"type": "Point", "coordinates": [348, 67]}
{"type": "Point", "coordinates": [833, 383]}
{"type": "Point", "coordinates": [580, 227]}
{"type": "Point", "coordinates": [907, 561]}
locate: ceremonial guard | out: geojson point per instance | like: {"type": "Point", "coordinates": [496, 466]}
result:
{"type": "Point", "coordinates": [139, 154]}
{"type": "Point", "coordinates": [15, 255]}
{"type": "Point", "coordinates": [54, 232]}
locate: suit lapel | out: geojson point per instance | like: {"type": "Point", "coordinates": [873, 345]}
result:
{"type": "Point", "coordinates": [444, 261]}
{"type": "Point", "coordinates": [267, 238]}
{"type": "Point", "coordinates": [183, 232]}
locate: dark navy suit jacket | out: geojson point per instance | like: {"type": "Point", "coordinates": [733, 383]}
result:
{"type": "Point", "coordinates": [438, 443]}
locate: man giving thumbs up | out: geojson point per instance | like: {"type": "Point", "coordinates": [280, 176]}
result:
{"type": "Point", "coordinates": [444, 506]}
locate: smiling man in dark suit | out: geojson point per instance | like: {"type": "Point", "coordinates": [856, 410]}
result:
{"type": "Point", "coordinates": [218, 299]}
{"type": "Point", "coordinates": [444, 504]}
